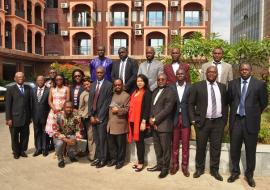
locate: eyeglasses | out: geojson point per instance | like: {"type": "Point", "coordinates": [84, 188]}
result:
{"type": "Point", "coordinates": [161, 79]}
{"type": "Point", "coordinates": [77, 76]}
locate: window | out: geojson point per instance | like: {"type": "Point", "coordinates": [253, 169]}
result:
{"type": "Point", "coordinates": [81, 19]}
{"type": "Point", "coordinates": [117, 43]}
{"type": "Point", "coordinates": [52, 4]}
{"type": "Point", "coordinates": [119, 18]}
{"type": "Point", "coordinates": [193, 18]}
{"type": "Point", "coordinates": [155, 18]}
{"type": "Point", "coordinates": [52, 28]}
{"type": "Point", "coordinates": [83, 47]}
{"type": "Point", "coordinates": [156, 43]}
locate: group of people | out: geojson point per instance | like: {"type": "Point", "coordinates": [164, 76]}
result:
{"type": "Point", "coordinates": [124, 102]}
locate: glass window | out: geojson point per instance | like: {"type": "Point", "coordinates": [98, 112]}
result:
{"type": "Point", "coordinates": [155, 18]}
{"type": "Point", "coordinates": [83, 46]}
{"type": "Point", "coordinates": [52, 3]}
{"type": "Point", "coordinates": [117, 43]}
{"type": "Point", "coordinates": [119, 18]}
{"type": "Point", "coordinates": [52, 28]}
{"type": "Point", "coordinates": [156, 43]}
{"type": "Point", "coordinates": [193, 18]}
{"type": "Point", "coordinates": [81, 19]}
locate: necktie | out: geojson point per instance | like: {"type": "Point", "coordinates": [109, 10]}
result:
{"type": "Point", "coordinates": [148, 66]}
{"type": "Point", "coordinates": [214, 103]}
{"type": "Point", "coordinates": [39, 94]}
{"type": "Point", "coordinates": [22, 90]}
{"type": "Point", "coordinates": [242, 100]}
{"type": "Point", "coordinates": [96, 97]}
{"type": "Point", "coordinates": [121, 72]}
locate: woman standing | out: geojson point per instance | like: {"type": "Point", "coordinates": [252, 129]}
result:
{"type": "Point", "coordinates": [76, 88]}
{"type": "Point", "coordinates": [138, 117]}
{"type": "Point", "coordinates": [58, 95]}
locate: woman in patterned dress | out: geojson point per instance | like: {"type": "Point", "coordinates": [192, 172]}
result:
{"type": "Point", "coordinates": [58, 95]}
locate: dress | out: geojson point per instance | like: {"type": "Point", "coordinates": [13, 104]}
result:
{"type": "Point", "coordinates": [59, 98]}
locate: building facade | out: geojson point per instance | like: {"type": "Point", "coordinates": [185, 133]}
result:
{"type": "Point", "coordinates": [36, 33]}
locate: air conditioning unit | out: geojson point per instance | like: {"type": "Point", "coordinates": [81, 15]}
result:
{"type": "Point", "coordinates": [64, 33]}
{"type": "Point", "coordinates": [174, 32]}
{"type": "Point", "coordinates": [64, 5]}
{"type": "Point", "coordinates": [137, 4]}
{"type": "Point", "coordinates": [138, 32]}
{"type": "Point", "coordinates": [174, 3]}
{"type": "Point", "coordinates": [138, 26]}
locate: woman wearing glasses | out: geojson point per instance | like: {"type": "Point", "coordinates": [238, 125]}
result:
{"type": "Point", "coordinates": [76, 88]}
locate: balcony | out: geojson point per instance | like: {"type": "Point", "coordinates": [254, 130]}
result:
{"type": "Point", "coordinates": [38, 50]}
{"type": "Point", "coordinates": [20, 13]}
{"type": "Point", "coordinates": [38, 22]}
{"type": "Point", "coordinates": [81, 23]}
{"type": "Point", "coordinates": [81, 50]}
{"type": "Point", "coordinates": [20, 45]}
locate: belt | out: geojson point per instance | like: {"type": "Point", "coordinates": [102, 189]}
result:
{"type": "Point", "coordinates": [212, 119]}
{"type": "Point", "coordinates": [241, 117]}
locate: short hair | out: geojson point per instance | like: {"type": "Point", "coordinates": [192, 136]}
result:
{"type": "Point", "coordinates": [181, 69]}
{"type": "Point", "coordinates": [162, 74]}
{"type": "Point", "coordinates": [220, 48]}
{"type": "Point", "coordinates": [73, 73]}
{"type": "Point", "coordinates": [145, 80]}
{"type": "Point", "coordinates": [123, 48]}
{"type": "Point", "coordinates": [245, 63]}
{"type": "Point", "coordinates": [68, 102]}
{"type": "Point", "coordinates": [118, 79]}
{"type": "Point", "coordinates": [87, 79]}
{"type": "Point", "coordinates": [100, 67]}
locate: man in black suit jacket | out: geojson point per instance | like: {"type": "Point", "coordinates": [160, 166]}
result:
{"type": "Point", "coordinates": [40, 111]}
{"type": "Point", "coordinates": [161, 118]}
{"type": "Point", "coordinates": [181, 130]}
{"type": "Point", "coordinates": [248, 98]}
{"type": "Point", "coordinates": [100, 96]}
{"type": "Point", "coordinates": [208, 112]}
{"type": "Point", "coordinates": [18, 115]}
{"type": "Point", "coordinates": [126, 69]}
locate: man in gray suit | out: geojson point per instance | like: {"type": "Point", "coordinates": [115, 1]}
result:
{"type": "Point", "coordinates": [225, 73]}
{"type": "Point", "coordinates": [151, 68]}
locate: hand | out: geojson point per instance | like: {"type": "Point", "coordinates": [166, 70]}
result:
{"type": "Point", "coordinates": [155, 127]}
{"type": "Point", "coordinates": [114, 110]}
{"type": "Point", "coordinates": [152, 121]}
{"type": "Point", "coordinates": [9, 123]}
{"type": "Point", "coordinates": [93, 120]}
{"type": "Point", "coordinates": [142, 126]}
{"type": "Point", "coordinates": [97, 120]}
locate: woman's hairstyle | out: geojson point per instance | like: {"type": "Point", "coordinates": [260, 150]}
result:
{"type": "Point", "coordinates": [73, 73]}
{"type": "Point", "coordinates": [62, 76]}
{"type": "Point", "coordinates": [145, 80]}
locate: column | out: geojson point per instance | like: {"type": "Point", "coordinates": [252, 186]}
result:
{"type": "Point", "coordinates": [25, 39]}
{"type": "Point", "coordinates": [33, 13]}
{"type": "Point", "coordinates": [33, 42]}
{"type": "Point", "coordinates": [13, 38]}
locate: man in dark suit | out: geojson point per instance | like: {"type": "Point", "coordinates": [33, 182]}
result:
{"type": "Point", "coordinates": [247, 98]}
{"type": "Point", "coordinates": [40, 111]}
{"type": "Point", "coordinates": [162, 107]}
{"type": "Point", "coordinates": [100, 96]}
{"type": "Point", "coordinates": [126, 69]}
{"type": "Point", "coordinates": [170, 69]}
{"type": "Point", "coordinates": [208, 112]}
{"type": "Point", "coordinates": [181, 130]}
{"type": "Point", "coordinates": [18, 115]}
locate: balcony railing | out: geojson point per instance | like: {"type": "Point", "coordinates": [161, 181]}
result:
{"type": "Point", "coordinates": [193, 22]}
{"type": "Point", "coordinates": [38, 50]}
{"type": "Point", "coordinates": [20, 45]}
{"type": "Point", "coordinates": [81, 50]}
{"type": "Point", "coordinates": [29, 18]}
{"type": "Point", "coordinates": [38, 21]}
{"type": "Point", "coordinates": [80, 23]}
{"type": "Point", "coordinates": [20, 13]}
{"type": "Point", "coordinates": [8, 43]}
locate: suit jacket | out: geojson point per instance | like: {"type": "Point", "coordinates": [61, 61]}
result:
{"type": "Point", "coordinates": [118, 123]}
{"type": "Point", "coordinates": [255, 102]}
{"type": "Point", "coordinates": [162, 111]}
{"type": "Point", "coordinates": [198, 102]}
{"type": "Point", "coordinates": [168, 70]}
{"type": "Point", "coordinates": [103, 101]}
{"type": "Point", "coordinates": [40, 110]}
{"type": "Point", "coordinates": [131, 71]}
{"type": "Point", "coordinates": [226, 72]}
{"type": "Point", "coordinates": [183, 105]}
{"type": "Point", "coordinates": [154, 70]}
{"type": "Point", "coordinates": [72, 89]}
{"type": "Point", "coordinates": [83, 106]}
{"type": "Point", "coordinates": [18, 106]}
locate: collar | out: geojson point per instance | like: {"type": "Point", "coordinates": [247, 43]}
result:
{"type": "Point", "coordinates": [177, 85]}
{"type": "Point", "coordinates": [216, 63]}
{"type": "Point", "coordinates": [19, 86]}
{"type": "Point", "coordinates": [42, 88]}
{"type": "Point", "coordinates": [242, 80]}
{"type": "Point", "coordinates": [208, 83]}
{"type": "Point", "coordinates": [124, 60]}
{"type": "Point", "coordinates": [101, 81]}
{"type": "Point", "coordinates": [175, 63]}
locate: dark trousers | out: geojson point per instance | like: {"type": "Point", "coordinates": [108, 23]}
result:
{"type": "Point", "coordinates": [162, 145]}
{"type": "Point", "coordinates": [239, 134]}
{"type": "Point", "coordinates": [85, 123]}
{"type": "Point", "coordinates": [117, 147]}
{"type": "Point", "coordinates": [19, 138]}
{"type": "Point", "coordinates": [100, 139]}
{"type": "Point", "coordinates": [212, 130]}
{"type": "Point", "coordinates": [139, 145]}
{"type": "Point", "coordinates": [41, 138]}
{"type": "Point", "coordinates": [180, 134]}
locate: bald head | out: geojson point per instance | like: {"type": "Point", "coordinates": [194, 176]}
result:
{"type": "Point", "coordinates": [150, 53]}
{"type": "Point", "coordinates": [101, 51]}
{"type": "Point", "coordinates": [211, 73]}
{"type": "Point", "coordinates": [175, 53]}
{"type": "Point", "coordinates": [19, 78]}
{"type": "Point", "coordinates": [40, 81]}
{"type": "Point", "coordinates": [100, 72]}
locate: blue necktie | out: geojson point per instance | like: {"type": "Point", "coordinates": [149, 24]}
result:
{"type": "Point", "coordinates": [242, 100]}
{"type": "Point", "coordinates": [22, 90]}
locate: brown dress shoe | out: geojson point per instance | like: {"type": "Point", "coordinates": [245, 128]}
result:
{"type": "Point", "coordinates": [186, 172]}
{"type": "Point", "coordinates": [174, 170]}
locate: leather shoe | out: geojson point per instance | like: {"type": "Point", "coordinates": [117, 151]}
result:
{"type": "Point", "coordinates": [61, 164]}
{"type": "Point", "coordinates": [95, 162]}
{"type": "Point", "coordinates": [119, 165]}
{"type": "Point", "coordinates": [216, 175]}
{"type": "Point", "coordinates": [16, 156]}
{"type": "Point", "coordinates": [163, 174]}
{"type": "Point", "coordinates": [174, 170]}
{"type": "Point", "coordinates": [101, 164]}
{"type": "Point", "coordinates": [37, 153]}
{"type": "Point", "coordinates": [73, 159]}
{"type": "Point", "coordinates": [250, 181]}
{"type": "Point", "coordinates": [198, 173]}
{"type": "Point", "coordinates": [111, 163]}
{"type": "Point", "coordinates": [45, 153]}
{"type": "Point", "coordinates": [154, 169]}
{"type": "Point", "coordinates": [186, 172]}
{"type": "Point", "coordinates": [23, 154]}
{"type": "Point", "coordinates": [232, 178]}
{"type": "Point", "coordinates": [139, 169]}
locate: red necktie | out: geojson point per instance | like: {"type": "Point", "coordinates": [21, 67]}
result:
{"type": "Point", "coordinates": [96, 97]}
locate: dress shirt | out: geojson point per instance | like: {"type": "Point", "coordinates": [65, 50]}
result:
{"type": "Point", "coordinates": [123, 63]}
{"type": "Point", "coordinates": [175, 67]}
{"type": "Point", "coordinates": [42, 90]}
{"type": "Point", "coordinates": [106, 63]}
{"type": "Point", "coordinates": [218, 100]}
{"type": "Point", "coordinates": [242, 84]}
{"type": "Point", "coordinates": [100, 83]}
{"type": "Point", "coordinates": [180, 92]}
{"type": "Point", "coordinates": [157, 96]}
{"type": "Point", "coordinates": [219, 68]}
{"type": "Point", "coordinates": [21, 87]}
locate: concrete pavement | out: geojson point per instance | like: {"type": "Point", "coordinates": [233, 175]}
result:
{"type": "Point", "coordinates": [43, 173]}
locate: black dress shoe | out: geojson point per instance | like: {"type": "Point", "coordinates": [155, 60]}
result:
{"type": "Point", "coordinates": [154, 169]}
{"type": "Point", "coordinates": [95, 162]}
{"type": "Point", "coordinates": [37, 153]}
{"type": "Point", "coordinates": [163, 174]}
{"type": "Point", "coordinates": [23, 154]}
{"type": "Point", "coordinates": [119, 165]}
{"type": "Point", "coordinates": [250, 181]}
{"type": "Point", "coordinates": [16, 156]}
{"type": "Point", "coordinates": [111, 163]}
{"type": "Point", "coordinates": [216, 175]}
{"type": "Point", "coordinates": [45, 153]}
{"type": "Point", "coordinates": [198, 173]}
{"type": "Point", "coordinates": [61, 164]}
{"type": "Point", "coordinates": [232, 178]}
{"type": "Point", "coordinates": [101, 164]}
{"type": "Point", "coordinates": [73, 159]}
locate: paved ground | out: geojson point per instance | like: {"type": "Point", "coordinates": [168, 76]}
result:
{"type": "Point", "coordinates": [42, 173]}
